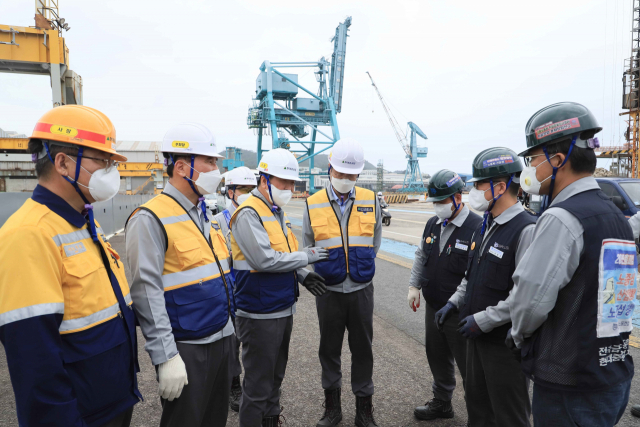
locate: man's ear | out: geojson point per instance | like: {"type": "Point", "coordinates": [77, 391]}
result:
{"type": "Point", "coordinates": [179, 169]}
{"type": "Point", "coordinates": [560, 157]}
{"type": "Point", "coordinates": [63, 165]}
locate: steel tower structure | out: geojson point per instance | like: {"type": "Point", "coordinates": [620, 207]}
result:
{"type": "Point", "coordinates": [407, 139]}
{"type": "Point", "coordinates": [279, 112]}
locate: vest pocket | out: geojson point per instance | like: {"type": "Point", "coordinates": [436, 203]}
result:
{"type": "Point", "coordinates": [320, 228]}
{"type": "Point", "coordinates": [497, 273]}
{"type": "Point", "coordinates": [334, 269]}
{"type": "Point", "coordinates": [362, 263]}
{"type": "Point", "coordinates": [97, 362]}
{"type": "Point", "coordinates": [457, 262]}
{"type": "Point", "coordinates": [367, 225]}
{"type": "Point", "coordinates": [275, 288]}
{"type": "Point", "coordinates": [188, 252]}
{"type": "Point", "coordinates": [196, 307]}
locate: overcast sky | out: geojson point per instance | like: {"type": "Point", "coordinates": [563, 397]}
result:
{"type": "Point", "coordinates": [469, 73]}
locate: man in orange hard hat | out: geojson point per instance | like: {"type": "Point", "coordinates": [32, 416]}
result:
{"type": "Point", "coordinates": [66, 321]}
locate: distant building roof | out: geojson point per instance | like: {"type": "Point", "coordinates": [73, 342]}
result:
{"type": "Point", "coordinates": [11, 134]}
{"type": "Point", "coordinates": [396, 187]}
{"type": "Point", "coordinates": [137, 146]}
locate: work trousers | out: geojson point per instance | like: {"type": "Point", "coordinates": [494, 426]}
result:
{"type": "Point", "coordinates": [354, 312]}
{"type": "Point", "coordinates": [235, 368]}
{"type": "Point", "coordinates": [265, 352]}
{"type": "Point", "coordinates": [496, 390]}
{"type": "Point", "coordinates": [601, 408]}
{"type": "Point", "coordinates": [123, 419]}
{"type": "Point", "coordinates": [204, 402]}
{"type": "Point", "coordinates": [444, 350]}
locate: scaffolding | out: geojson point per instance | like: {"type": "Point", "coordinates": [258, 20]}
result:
{"type": "Point", "coordinates": [380, 176]}
{"type": "Point", "coordinates": [628, 154]}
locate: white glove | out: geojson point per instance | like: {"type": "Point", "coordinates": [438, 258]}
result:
{"type": "Point", "coordinates": [316, 254]}
{"type": "Point", "coordinates": [414, 295]}
{"type": "Point", "coordinates": [172, 376]}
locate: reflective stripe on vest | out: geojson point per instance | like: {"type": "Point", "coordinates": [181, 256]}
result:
{"type": "Point", "coordinates": [356, 257]}
{"type": "Point", "coordinates": [262, 292]}
{"type": "Point", "coordinates": [198, 296]}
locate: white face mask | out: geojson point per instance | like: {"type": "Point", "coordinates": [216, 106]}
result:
{"type": "Point", "coordinates": [342, 186]}
{"type": "Point", "coordinates": [478, 201]}
{"type": "Point", "coordinates": [280, 197]}
{"type": "Point", "coordinates": [529, 181]}
{"type": "Point", "coordinates": [443, 211]}
{"type": "Point", "coordinates": [243, 198]}
{"type": "Point", "coordinates": [207, 182]}
{"type": "Point", "coordinates": [103, 184]}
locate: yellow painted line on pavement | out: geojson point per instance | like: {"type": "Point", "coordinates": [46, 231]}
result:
{"type": "Point", "coordinates": [395, 261]}
{"type": "Point", "coordinates": [634, 341]}
{"type": "Point", "coordinates": [400, 234]}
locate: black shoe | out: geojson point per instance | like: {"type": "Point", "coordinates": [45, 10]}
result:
{"type": "Point", "coordinates": [274, 421]}
{"type": "Point", "coordinates": [364, 412]}
{"type": "Point", "coordinates": [435, 408]}
{"type": "Point", "coordinates": [235, 394]}
{"type": "Point", "coordinates": [332, 409]}
{"type": "Point", "coordinates": [635, 410]}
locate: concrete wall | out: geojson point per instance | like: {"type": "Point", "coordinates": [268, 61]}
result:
{"type": "Point", "coordinates": [111, 215]}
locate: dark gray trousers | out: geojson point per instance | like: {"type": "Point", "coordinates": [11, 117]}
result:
{"type": "Point", "coordinates": [204, 402]}
{"type": "Point", "coordinates": [497, 392]}
{"type": "Point", "coordinates": [444, 350]}
{"type": "Point", "coordinates": [235, 369]}
{"type": "Point", "coordinates": [353, 312]}
{"type": "Point", "coordinates": [265, 352]}
{"type": "Point", "coordinates": [123, 419]}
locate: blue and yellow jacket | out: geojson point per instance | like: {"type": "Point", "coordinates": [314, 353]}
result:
{"type": "Point", "coordinates": [197, 280]}
{"type": "Point", "coordinates": [258, 291]}
{"type": "Point", "coordinates": [66, 323]}
{"type": "Point", "coordinates": [356, 256]}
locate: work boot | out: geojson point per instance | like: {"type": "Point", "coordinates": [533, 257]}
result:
{"type": "Point", "coordinates": [235, 394]}
{"type": "Point", "coordinates": [635, 410]}
{"type": "Point", "coordinates": [332, 409]}
{"type": "Point", "coordinates": [364, 412]}
{"type": "Point", "coordinates": [270, 421]}
{"type": "Point", "coordinates": [435, 408]}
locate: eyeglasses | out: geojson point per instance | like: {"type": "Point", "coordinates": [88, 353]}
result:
{"type": "Point", "coordinates": [106, 163]}
{"type": "Point", "coordinates": [528, 159]}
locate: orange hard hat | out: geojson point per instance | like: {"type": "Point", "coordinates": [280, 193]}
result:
{"type": "Point", "coordinates": [79, 125]}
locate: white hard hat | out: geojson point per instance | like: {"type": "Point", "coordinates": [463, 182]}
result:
{"type": "Point", "coordinates": [347, 156]}
{"type": "Point", "coordinates": [281, 163]}
{"type": "Point", "coordinates": [190, 138]}
{"type": "Point", "coordinates": [379, 193]}
{"type": "Point", "coordinates": [240, 176]}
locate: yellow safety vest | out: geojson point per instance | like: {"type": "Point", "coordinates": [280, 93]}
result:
{"type": "Point", "coordinates": [262, 292]}
{"type": "Point", "coordinates": [356, 256]}
{"type": "Point", "coordinates": [198, 288]}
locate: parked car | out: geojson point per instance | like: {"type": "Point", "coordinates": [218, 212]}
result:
{"type": "Point", "coordinates": [624, 192]}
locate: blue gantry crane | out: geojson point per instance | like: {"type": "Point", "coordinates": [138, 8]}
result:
{"type": "Point", "coordinates": [278, 111]}
{"type": "Point", "coordinates": [407, 139]}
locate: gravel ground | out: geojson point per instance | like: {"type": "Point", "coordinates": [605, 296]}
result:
{"type": "Point", "coordinates": [401, 374]}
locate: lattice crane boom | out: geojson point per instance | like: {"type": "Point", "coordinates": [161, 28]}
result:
{"type": "Point", "coordinates": [402, 137]}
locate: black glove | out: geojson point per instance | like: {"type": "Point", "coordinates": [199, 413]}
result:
{"type": "Point", "coordinates": [314, 284]}
{"type": "Point", "coordinates": [511, 345]}
{"type": "Point", "coordinates": [443, 314]}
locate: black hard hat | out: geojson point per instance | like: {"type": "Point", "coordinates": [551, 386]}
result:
{"type": "Point", "coordinates": [495, 162]}
{"type": "Point", "coordinates": [558, 122]}
{"type": "Point", "coordinates": [443, 184]}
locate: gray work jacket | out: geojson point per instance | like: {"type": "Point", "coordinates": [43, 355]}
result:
{"type": "Point", "coordinates": [253, 241]}
{"type": "Point", "coordinates": [145, 254]}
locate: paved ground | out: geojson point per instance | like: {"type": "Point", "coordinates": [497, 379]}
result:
{"type": "Point", "coordinates": [401, 374]}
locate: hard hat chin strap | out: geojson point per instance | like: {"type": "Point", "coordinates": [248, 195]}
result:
{"type": "Point", "coordinates": [453, 199]}
{"type": "Point", "coordinates": [274, 207]}
{"type": "Point", "coordinates": [88, 207]}
{"type": "Point", "coordinates": [493, 203]}
{"type": "Point", "coordinates": [203, 206]}
{"type": "Point", "coordinates": [547, 201]}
